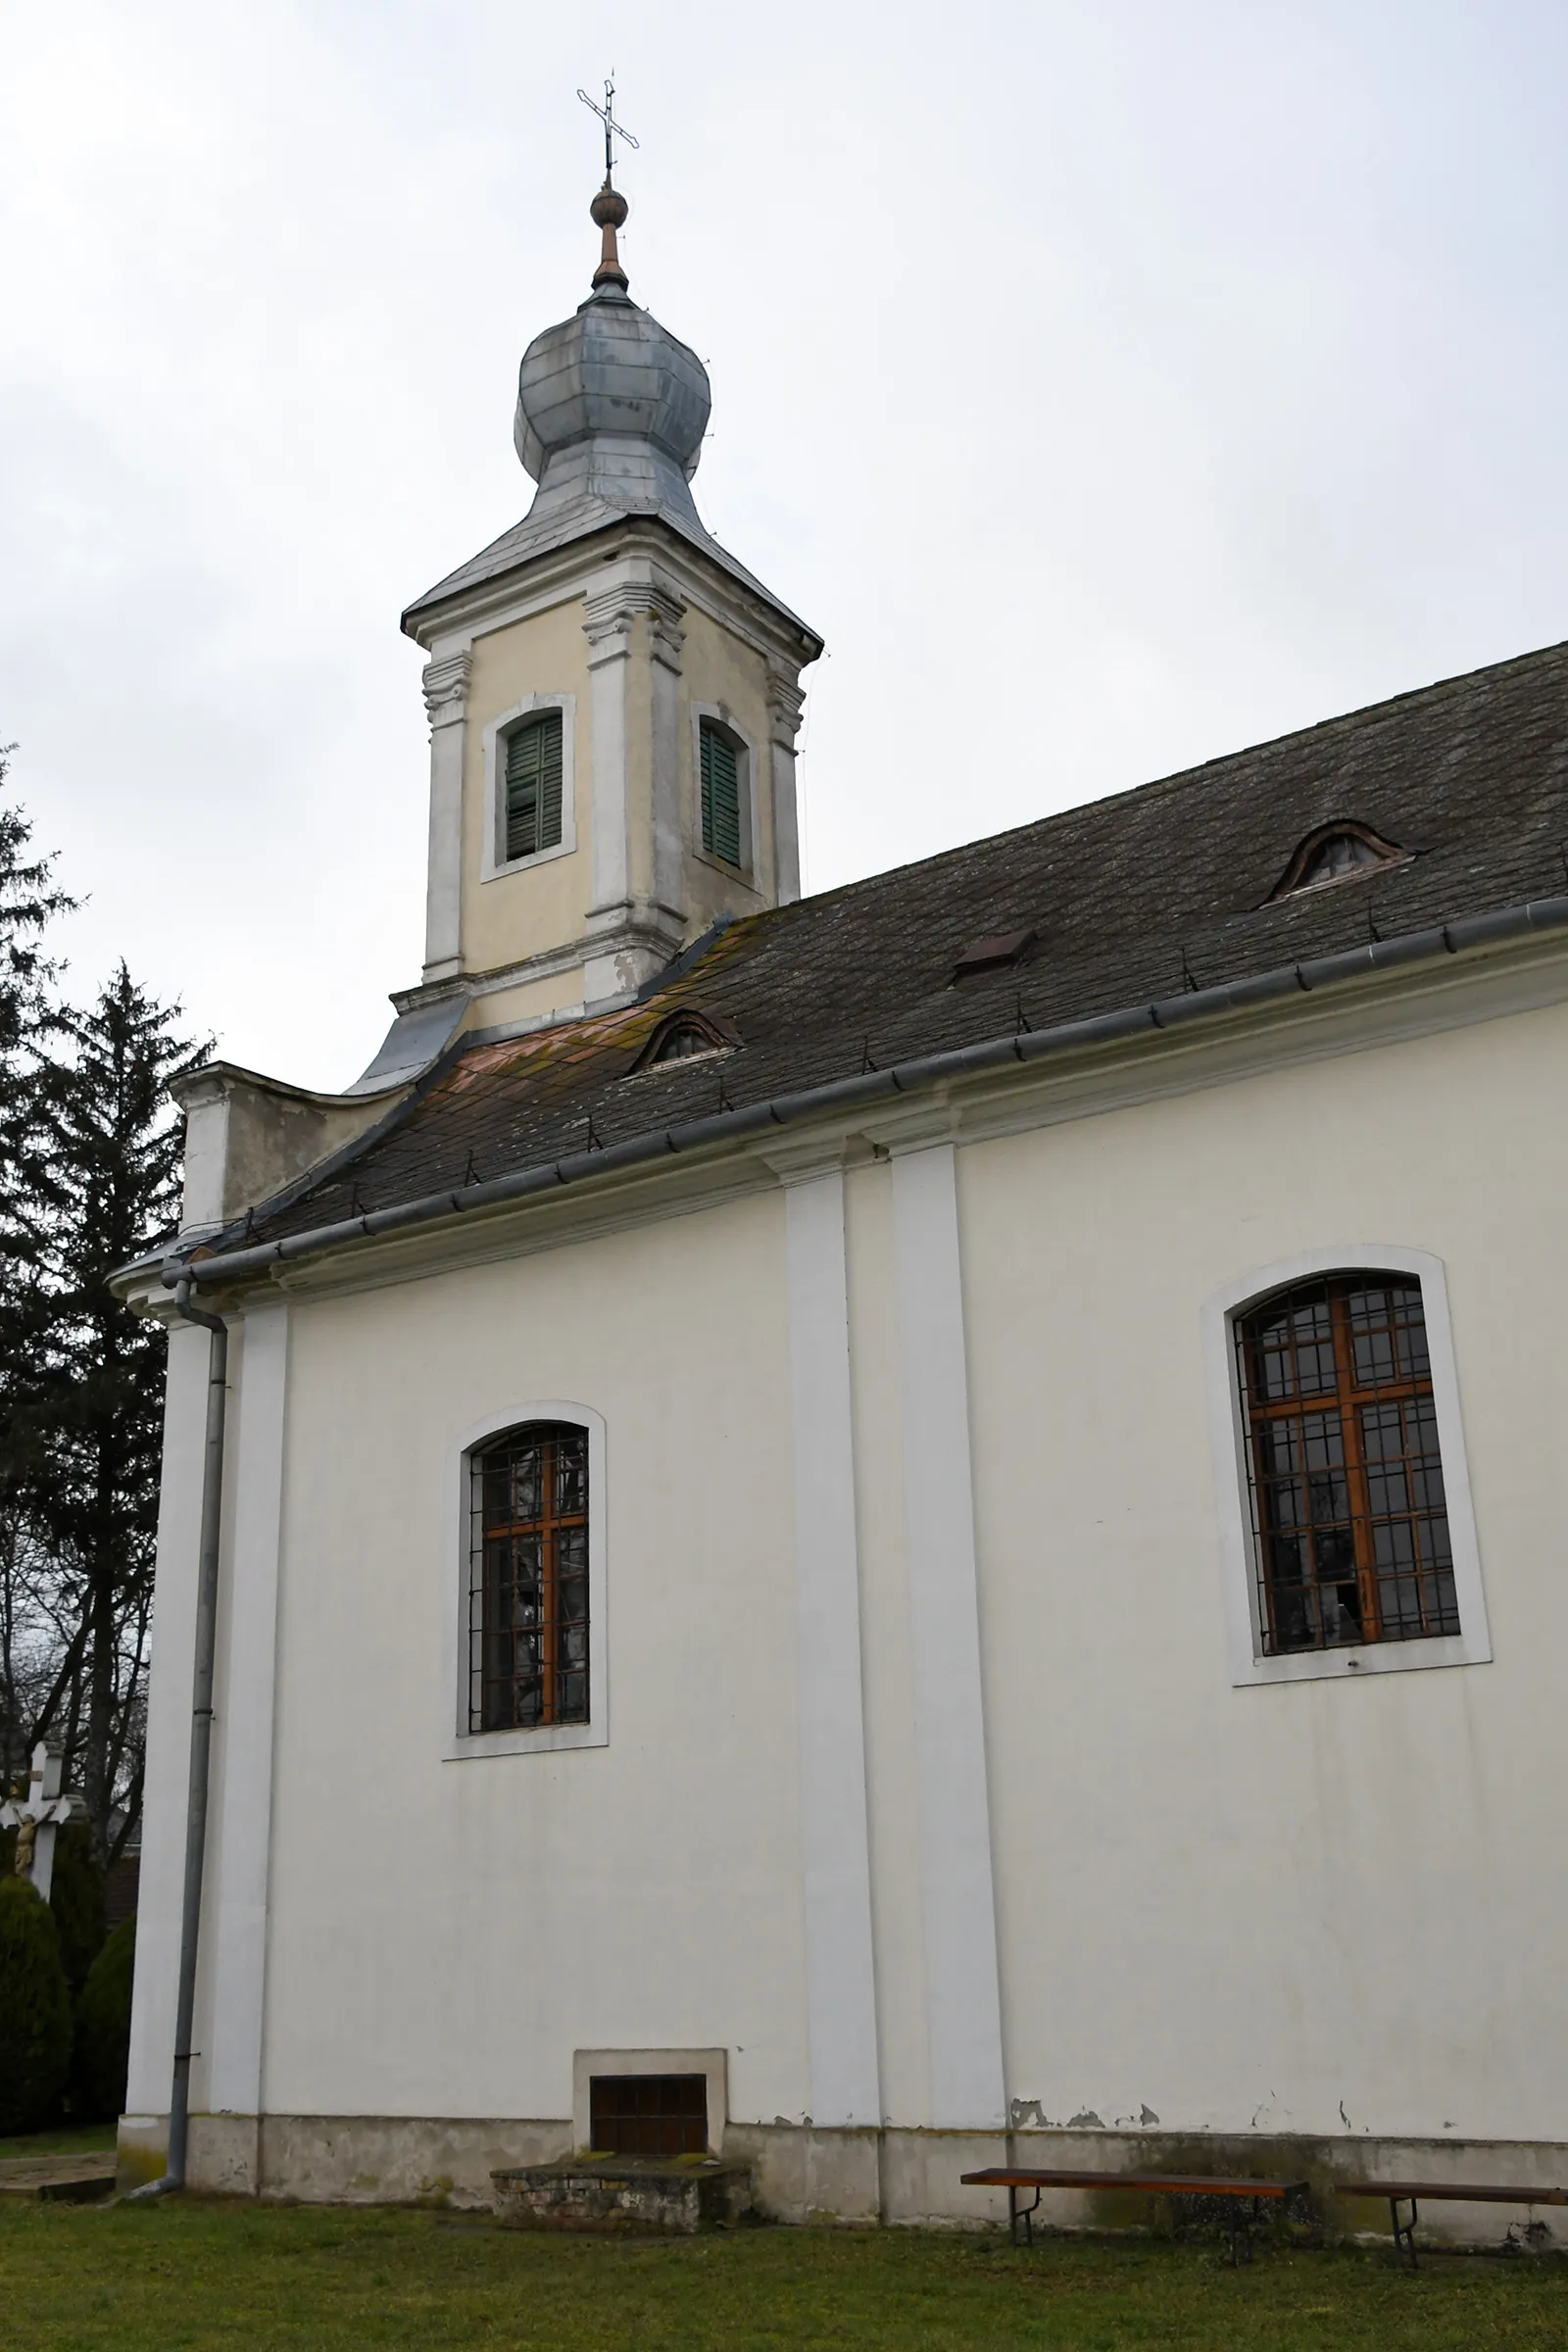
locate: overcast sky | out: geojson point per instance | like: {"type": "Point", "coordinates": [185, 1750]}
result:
{"type": "Point", "coordinates": [1112, 382]}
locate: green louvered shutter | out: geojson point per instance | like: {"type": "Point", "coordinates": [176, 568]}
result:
{"type": "Point", "coordinates": [721, 796]}
{"type": "Point", "coordinates": [533, 786]}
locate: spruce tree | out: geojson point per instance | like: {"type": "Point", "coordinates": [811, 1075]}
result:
{"type": "Point", "coordinates": [106, 1185]}
{"type": "Point", "coordinates": [28, 1032]}
{"type": "Point", "coordinates": [28, 902]}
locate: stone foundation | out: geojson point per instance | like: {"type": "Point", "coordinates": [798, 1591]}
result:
{"type": "Point", "coordinates": [854, 2178]}
{"type": "Point", "coordinates": [619, 2194]}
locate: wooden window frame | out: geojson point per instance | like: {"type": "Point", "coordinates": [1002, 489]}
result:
{"type": "Point", "coordinates": [1334, 1414]}
{"type": "Point", "coordinates": [555, 1530]}
{"type": "Point", "coordinates": [462, 1741]}
{"type": "Point", "coordinates": [1251, 1660]}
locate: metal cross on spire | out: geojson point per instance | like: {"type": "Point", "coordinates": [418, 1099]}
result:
{"type": "Point", "coordinates": [608, 208]}
{"type": "Point", "coordinates": [606, 115]}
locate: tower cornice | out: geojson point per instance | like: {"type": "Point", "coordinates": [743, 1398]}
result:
{"type": "Point", "coordinates": [718, 587]}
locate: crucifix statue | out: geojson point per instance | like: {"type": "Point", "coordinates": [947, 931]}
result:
{"type": "Point", "coordinates": [609, 207]}
{"type": "Point", "coordinates": [36, 1819]}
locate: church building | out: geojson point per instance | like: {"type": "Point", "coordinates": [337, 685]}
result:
{"type": "Point", "coordinates": [887, 1531]}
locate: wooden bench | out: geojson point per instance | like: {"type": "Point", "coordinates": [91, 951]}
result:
{"type": "Point", "coordinates": [1453, 2192]}
{"type": "Point", "coordinates": [1165, 2184]}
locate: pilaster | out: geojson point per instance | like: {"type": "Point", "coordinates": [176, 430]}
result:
{"type": "Point", "coordinates": [786, 698]}
{"type": "Point", "coordinates": [632, 623]}
{"type": "Point", "coordinates": [666, 638]}
{"type": "Point", "coordinates": [963, 2016]}
{"type": "Point", "coordinates": [840, 1979]}
{"type": "Point", "coordinates": [446, 700]}
{"type": "Point", "coordinates": [248, 1629]}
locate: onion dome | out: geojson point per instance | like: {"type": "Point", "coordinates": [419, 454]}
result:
{"type": "Point", "coordinates": [610, 404]}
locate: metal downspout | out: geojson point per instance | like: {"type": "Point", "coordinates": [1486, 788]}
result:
{"type": "Point", "coordinates": [201, 1737]}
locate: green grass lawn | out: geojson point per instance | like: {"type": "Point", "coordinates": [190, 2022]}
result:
{"type": "Point", "coordinates": [67, 2140]}
{"type": "Point", "coordinates": [79, 2278]}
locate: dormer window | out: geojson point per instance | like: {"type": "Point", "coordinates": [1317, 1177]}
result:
{"type": "Point", "coordinates": [534, 774]}
{"type": "Point", "coordinates": [681, 1042]}
{"type": "Point", "coordinates": [719, 764]}
{"type": "Point", "coordinates": [681, 1035]}
{"type": "Point", "coordinates": [1337, 853]}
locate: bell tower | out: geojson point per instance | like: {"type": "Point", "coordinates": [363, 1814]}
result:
{"type": "Point", "coordinates": [614, 698]}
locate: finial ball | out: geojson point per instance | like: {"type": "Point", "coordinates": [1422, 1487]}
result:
{"type": "Point", "coordinates": [608, 208]}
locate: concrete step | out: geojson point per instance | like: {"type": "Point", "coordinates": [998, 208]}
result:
{"type": "Point", "coordinates": [70, 2179]}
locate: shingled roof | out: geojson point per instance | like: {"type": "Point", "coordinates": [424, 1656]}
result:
{"type": "Point", "coordinates": [1130, 898]}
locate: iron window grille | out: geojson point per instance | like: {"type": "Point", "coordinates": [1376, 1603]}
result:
{"type": "Point", "coordinates": [534, 772]}
{"type": "Point", "coordinates": [648, 2115]}
{"type": "Point", "coordinates": [720, 793]}
{"type": "Point", "coordinates": [1345, 1478]}
{"type": "Point", "coordinates": [528, 1626]}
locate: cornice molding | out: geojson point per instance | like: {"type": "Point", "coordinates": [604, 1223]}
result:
{"type": "Point", "coordinates": [554, 578]}
{"type": "Point", "coordinates": [609, 614]}
{"type": "Point", "coordinates": [786, 701]}
{"type": "Point", "coordinates": [649, 926]}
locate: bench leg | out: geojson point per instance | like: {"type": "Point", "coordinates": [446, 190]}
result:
{"type": "Point", "coordinates": [1404, 2232]}
{"type": "Point", "coordinates": [1242, 2224]}
{"type": "Point", "coordinates": [1017, 2213]}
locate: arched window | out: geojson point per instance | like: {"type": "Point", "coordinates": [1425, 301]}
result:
{"type": "Point", "coordinates": [1337, 853]}
{"type": "Point", "coordinates": [720, 762]}
{"type": "Point", "coordinates": [688, 1031]}
{"type": "Point", "coordinates": [1345, 1482]}
{"type": "Point", "coordinates": [534, 770]}
{"type": "Point", "coordinates": [528, 1629]}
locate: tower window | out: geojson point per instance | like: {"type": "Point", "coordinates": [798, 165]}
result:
{"type": "Point", "coordinates": [720, 780]}
{"type": "Point", "coordinates": [534, 786]}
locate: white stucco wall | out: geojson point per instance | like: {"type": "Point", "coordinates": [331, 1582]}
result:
{"type": "Point", "coordinates": [1328, 1907]}
{"type": "Point", "coordinates": [1317, 1907]}
{"type": "Point", "coordinates": [444, 1933]}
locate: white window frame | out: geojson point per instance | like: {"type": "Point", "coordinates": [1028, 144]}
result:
{"type": "Point", "coordinates": [494, 863]}
{"type": "Point", "coordinates": [719, 716]}
{"type": "Point", "coordinates": [550, 1738]}
{"type": "Point", "coordinates": [1472, 1645]}
{"type": "Point", "coordinates": [712, 2065]}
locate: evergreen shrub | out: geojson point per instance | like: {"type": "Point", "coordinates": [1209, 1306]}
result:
{"type": "Point", "coordinates": [103, 2030]}
{"type": "Point", "coordinates": [35, 2011]}
{"type": "Point", "coordinates": [76, 1900]}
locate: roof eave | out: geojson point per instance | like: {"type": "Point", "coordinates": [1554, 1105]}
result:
{"type": "Point", "coordinates": [1503, 927]}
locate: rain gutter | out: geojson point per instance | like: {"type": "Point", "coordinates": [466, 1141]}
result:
{"type": "Point", "coordinates": [1503, 927]}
